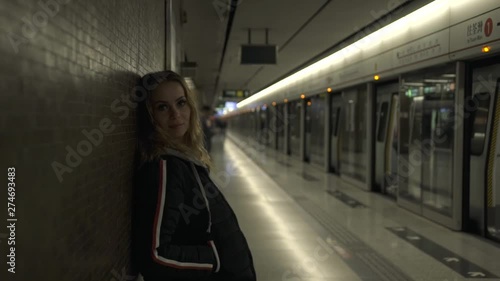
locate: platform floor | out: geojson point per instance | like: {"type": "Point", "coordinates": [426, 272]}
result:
{"type": "Point", "coordinates": [304, 224]}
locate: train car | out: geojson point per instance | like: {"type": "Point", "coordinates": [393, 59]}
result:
{"type": "Point", "coordinates": [411, 110]}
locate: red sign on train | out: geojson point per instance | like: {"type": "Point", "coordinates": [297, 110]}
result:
{"type": "Point", "coordinates": [488, 27]}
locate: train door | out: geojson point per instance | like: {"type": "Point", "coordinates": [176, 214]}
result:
{"type": "Point", "coordinates": [414, 148]}
{"type": "Point", "coordinates": [385, 141]}
{"type": "Point", "coordinates": [294, 117]}
{"type": "Point", "coordinates": [316, 107]}
{"type": "Point", "coordinates": [336, 113]}
{"type": "Point", "coordinates": [256, 122]}
{"type": "Point", "coordinates": [263, 125]}
{"type": "Point", "coordinates": [280, 127]}
{"type": "Point", "coordinates": [429, 165]}
{"type": "Point", "coordinates": [484, 175]}
{"type": "Point", "coordinates": [287, 120]}
{"type": "Point", "coordinates": [272, 133]}
{"type": "Point", "coordinates": [308, 130]}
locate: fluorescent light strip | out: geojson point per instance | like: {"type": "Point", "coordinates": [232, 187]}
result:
{"type": "Point", "coordinates": [419, 17]}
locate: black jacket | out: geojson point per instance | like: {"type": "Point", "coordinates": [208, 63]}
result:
{"type": "Point", "coordinates": [184, 229]}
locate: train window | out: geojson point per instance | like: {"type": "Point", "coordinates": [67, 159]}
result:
{"type": "Point", "coordinates": [416, 119]}
{"type": "Point", "coordinates": [443, 124]}
{"type": "Point", "coordinates": [426, 137]}
{"type": "Point", "coordinates": [384, 108]}
{"type": "Point", "coordinates": [480, 122]}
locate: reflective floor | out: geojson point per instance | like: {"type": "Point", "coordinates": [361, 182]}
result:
{"type": "Point", "coordinates": [304, 224]}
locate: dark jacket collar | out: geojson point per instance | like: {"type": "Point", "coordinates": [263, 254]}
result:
{"type": "Point", "coordinates": [173, 152]}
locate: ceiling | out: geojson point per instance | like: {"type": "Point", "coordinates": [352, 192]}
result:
{"type": "Point", "coordinates": [301, 29]}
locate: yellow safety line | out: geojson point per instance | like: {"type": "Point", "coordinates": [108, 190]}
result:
{"type": "Point", "coordinates": [492, 152]}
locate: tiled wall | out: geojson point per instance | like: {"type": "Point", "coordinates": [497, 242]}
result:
{"type": "Point", "coordinates": [66, 71]}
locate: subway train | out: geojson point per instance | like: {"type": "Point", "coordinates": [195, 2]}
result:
{"type": "Point", "coordinates": [411, 110]}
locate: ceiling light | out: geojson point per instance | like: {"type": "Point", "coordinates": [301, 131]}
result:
{"type": "Point", "coordinates": [418, 18]}
{"type": "Point", "coordinates": [436, 81]}
{"type": "Point", "coordinates": [413, 84]}
{"type": "Point", "coordinates": [190, 83]}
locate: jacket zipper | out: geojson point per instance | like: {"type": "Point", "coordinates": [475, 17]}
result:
{"type": "Point", "coordinates": [209, 229]}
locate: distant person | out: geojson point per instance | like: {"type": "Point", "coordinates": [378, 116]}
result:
{"type": "Point", "coordinates": [222, 126]}
{"type": "Point", "coordinates": [207, 126]}
{"type": "Point", "coordinates": [183, 227]}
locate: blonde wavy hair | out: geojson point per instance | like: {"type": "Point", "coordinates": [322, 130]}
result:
{"type": "Point", "coordinates": [153, 141]}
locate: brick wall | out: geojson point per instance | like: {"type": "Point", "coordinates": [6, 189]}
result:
{"type": "Point", "coordinates": [64, 70]}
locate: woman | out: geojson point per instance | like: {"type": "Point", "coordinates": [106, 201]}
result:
{"type": "Point", "coordinates": [184, 229]}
